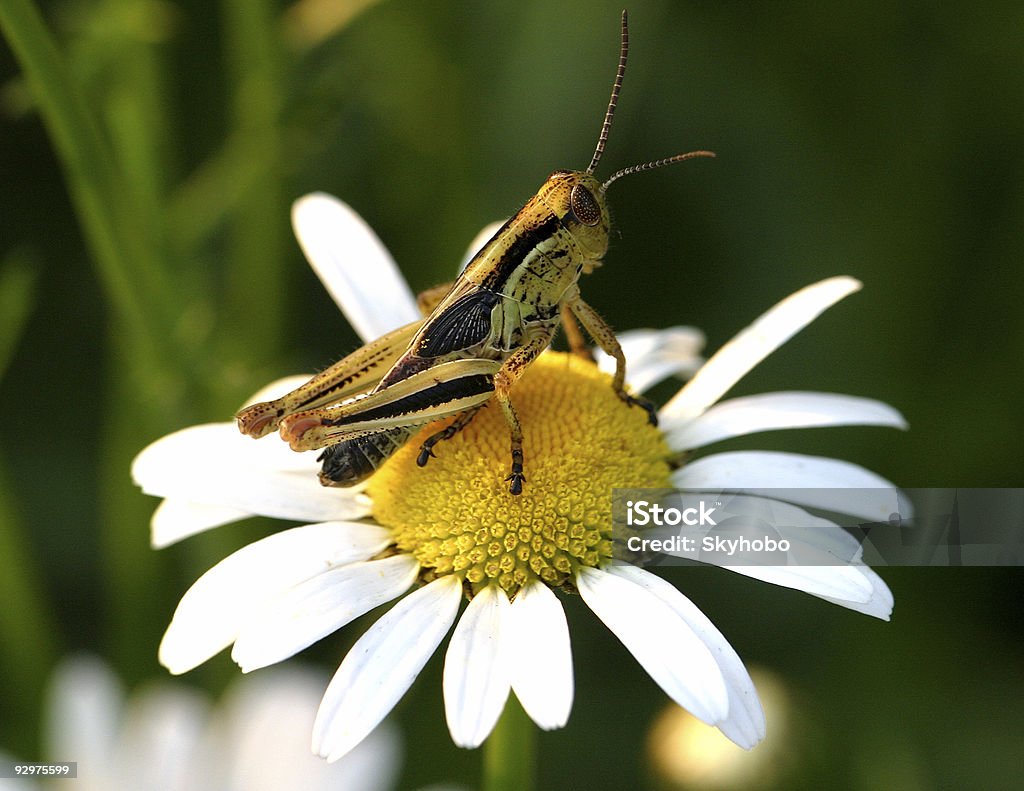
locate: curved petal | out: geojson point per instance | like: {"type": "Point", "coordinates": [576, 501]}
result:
{"type": "Point", "coordinates": [823, 560]}
{"type": "Point", "coordinates": [836, 583]}
{"type": "Point", "coordinates": [855, 586]}
{"type": "Point", "coordinates": [216, 607]}
{"type": "Point", "coordinates": [382, 665]}
{"type": "Point", "coordinates": [816, 541]}
{"type": "Point", "coordinates": [476, 675]}
{"type": "Point", "coordinates": [319, 606]}
{"type": "Point", "coordinates": [355, 268]}
{"type": "Point", "coordinates": [878, 605]}
{"type": "Point", "coordinates": [731, 363]}
{"type": "Point", "coordinates": [745, 724]}
{"type": "Point", "coordinates": [662, 642]}
{"type": "Point", "coordinates": [654, 355]}
{"type": "Point", "coordinates": [539, 655]}
{"type": "Point", "coordinates": [213, 464]}
{"type": "Point", "coordinates": [770, 411]}
{"type": "Point", "coordinates": [812, 481]}
{"type": "Point", "coordinates": [176, 519]}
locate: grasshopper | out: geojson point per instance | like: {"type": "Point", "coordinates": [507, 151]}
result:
{"type": "Point", "coordinates": [478, 336]}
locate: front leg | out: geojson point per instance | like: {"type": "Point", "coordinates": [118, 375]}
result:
{"type": "Point", "coordinates": [602, 333]}
{"type": "Point", "coordinates": [508, 375]}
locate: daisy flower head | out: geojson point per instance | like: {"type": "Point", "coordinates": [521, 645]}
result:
{"type": "Point", "coordinates": [430, 537]}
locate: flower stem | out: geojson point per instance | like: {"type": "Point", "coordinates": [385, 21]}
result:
{"type": "Point", "coordinates": [258, 236]}
{"type": "Point", "coordinates": [509, 751]}
{"type": "Point", "coordinates": [127, 263]}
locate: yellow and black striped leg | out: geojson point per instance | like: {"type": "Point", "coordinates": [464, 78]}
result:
{"type": "Point", "coordinates": [460, 422]}
{"type": "Point", "coordinates": [606, 339]}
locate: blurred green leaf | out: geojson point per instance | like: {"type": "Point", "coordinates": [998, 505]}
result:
{"type": "Point", "coordinates": [18, 278]}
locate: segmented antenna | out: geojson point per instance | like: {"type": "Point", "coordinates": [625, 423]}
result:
{"type": "Point", "coordinates": [658, 163]}
{"type": "Point", "coordinates": [616, 87]}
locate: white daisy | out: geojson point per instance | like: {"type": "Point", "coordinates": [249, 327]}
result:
{"type": "Point", "coordinates": [166, 736]}
{"type": "Point", "coordinates": [452, 530]}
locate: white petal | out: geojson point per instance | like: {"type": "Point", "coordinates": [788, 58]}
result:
{"type": "Point", "coordinates": [354, 266]}
{"type": "Point", "coordinates": [479, 241]}
{"type": "Point", "coordinates": [662, 642]}
{"type": "Point", "coordinates": [855, 586]}
{"type": "Point", "coordinates": [476, 674]}
{"type": "Point", "coordinates": [815, 540]}
{"type": "Point", "coordinates": [319, 606]}
{"type": "Point", "coordinates": [214, 464]}
{"type": "Point", "coordinates": [211, 613]}
{"type": "Point", "coordinates": [745, 724]}
{"type": "Point", "coordinates": [812, 481]}
{"type": "Point", "coordinates": [824, 560]}
{"type": "Point", "coordinates": [174, 520]}
{"type": "Point", "coordinates": [655, 355]}
{"type": "Point", "coordinates": [382, 665]}
{"type": "Point", "coordinates": [539, 655]}
{"type": "Point", "coordinates": [837, 583]}
{"type": "Point", "coordinates": [730, 363]}
{"type": "Point", "coordinates": [770, 411]}
{"type": "Point", "coordinates": [879, 603]}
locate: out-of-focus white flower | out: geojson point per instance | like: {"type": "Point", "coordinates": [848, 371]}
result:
{"type": "Point", "coordinates": [167, 736]}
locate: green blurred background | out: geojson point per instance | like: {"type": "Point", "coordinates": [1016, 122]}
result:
{"type": "Point", "coordinates": [880, 140]}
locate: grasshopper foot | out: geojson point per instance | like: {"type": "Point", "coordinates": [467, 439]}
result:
{"type": "Point", "coordinates": [643, 403]}
{"type": "Point", "coordinates": [517, 479]}
{"type": "Point", "coordinates": [516, 476]}
{"type": "Point", "coordinates": [427, 448]}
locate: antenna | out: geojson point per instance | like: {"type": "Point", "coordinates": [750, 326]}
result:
{"type": "Point", "coordinates": [658, 163]}
{"type": "Point", "coordinates": [616, 87]}
{"type": "Point", "coordinates": [610, 114]}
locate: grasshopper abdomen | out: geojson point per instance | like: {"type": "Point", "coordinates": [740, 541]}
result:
{"type": "Point", "coordinates": [354, 460]}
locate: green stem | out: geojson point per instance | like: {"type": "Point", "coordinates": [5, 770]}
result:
{"type": "Point", "coordinates": [18, 275]}
{"type": "Point", "coordinates": [127, 262]}
{"type": "Point", "coordinates": [259, 236]}
{"type": "Point", "coordinates": [509, 751]}
{"type": "Point", "coordinates": [25, 621]}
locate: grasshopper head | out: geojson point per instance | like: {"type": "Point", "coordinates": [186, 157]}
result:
{"type": "Point", "coordinates": [576, 198]}
{"type": "Point", "coordinates": [579, 198]}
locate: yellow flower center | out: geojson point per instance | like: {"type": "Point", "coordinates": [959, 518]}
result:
{"type": "Point", "coordinates": [456, 516]}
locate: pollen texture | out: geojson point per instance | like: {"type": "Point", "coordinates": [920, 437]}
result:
{"type": "Point", "coordinates": [456, 515]}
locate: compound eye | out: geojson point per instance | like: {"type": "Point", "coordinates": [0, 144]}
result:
{"type": "Point", "coordinates": [584, 205]}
